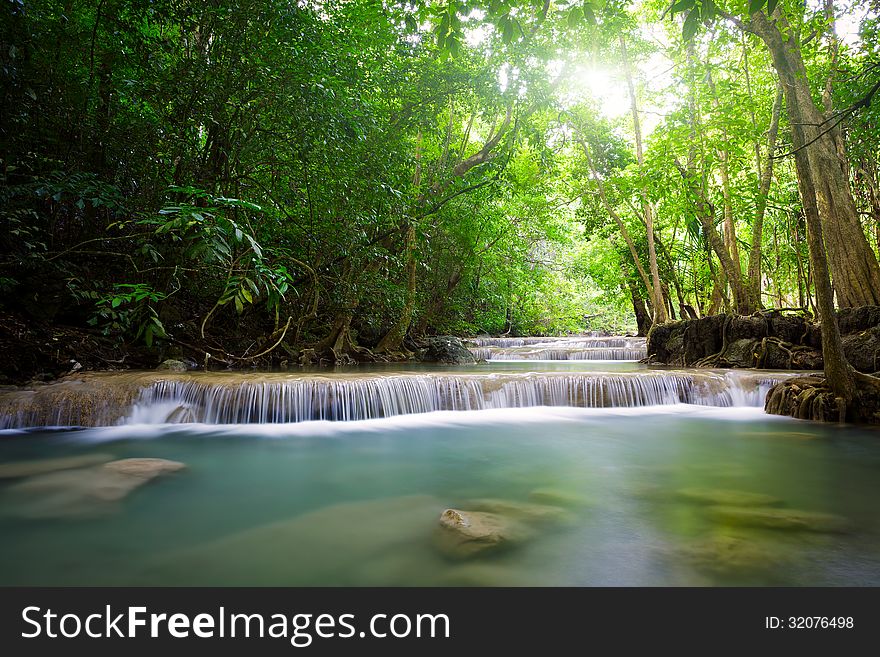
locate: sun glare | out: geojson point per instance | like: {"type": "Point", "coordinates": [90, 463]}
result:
{"type": "Point", "coordinates": [606, 89]}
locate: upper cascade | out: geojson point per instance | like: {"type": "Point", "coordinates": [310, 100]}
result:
{"type": "Point", "coordinates": [568, 348]}
{"type": "Point", "coordinates": [106, 399]}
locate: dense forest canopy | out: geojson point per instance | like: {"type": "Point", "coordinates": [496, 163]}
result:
{"type": "Point", "coordinates": [259, 177]}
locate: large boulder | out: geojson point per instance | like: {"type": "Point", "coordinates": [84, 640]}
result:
{"type": "Point", "coordinates": [446, 349]}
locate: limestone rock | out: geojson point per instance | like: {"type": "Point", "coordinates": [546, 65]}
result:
{"type": "Point", "coordinates": [85, 492]}
{"type": "Point", "coordinates": [725, 497]}
{"type": "Point", "coordinates": [172, 365]}
{"type": "Point", "coordinates": [468, 534]}
{"type": "Point", "coordinates": [727, 555]}
{"type": "Point", "coordinates": [782, 519]}
{"type": "Point", "coordinates": [20, 469]}
{"type": "Point", "coordinates": [446, 349]}
{"type": "Point", "coordinates": [555, 497]}
{"type": "Point", "coordinates": [526, 512]}
{"type": "Point", "coordinates": [143, 468]}
{"type": "Point", "coordinates": [330, 546]}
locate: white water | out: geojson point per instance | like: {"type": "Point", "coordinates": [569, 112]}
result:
{"type": "Point", "coordinates": [577, 348]}
{"type": "Point", "coordinates": [310, 399]}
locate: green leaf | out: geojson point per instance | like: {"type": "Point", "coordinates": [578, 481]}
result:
{"type": "Point", "coordinates": [771, 6]}
{"type": "Point", "coordinates": [575, 16]}
{"type": "Point", "coordinates": [115, 303]}
{"type": "Point", "coordinates": [239, 306]}
{"type": "Point", "coordinates": [247, 295]}
{"type": "Point", "coordinates": [707, 10]}
{"type": "Point", "coordinates": [691, 23]}
{"type": "Point", "coordinates": [411, 23]}
{"type": "Point", "coordinates": [681, 5]}
{"type": "Point", "coordinates": [590, 15]}
{"type": "Point", "coordinates": [507, 29]}
{"type": "Point", "coordinates": [755, 5]}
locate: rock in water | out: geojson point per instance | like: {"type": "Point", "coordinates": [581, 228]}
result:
{"type": "Point", "coordinates": [20, 469]}
{"type": "Point", "coordinates": [782, 519]}
{"type": "Point", "coordinates": [724, 497]}
{"type": "Point", "coordinates": [143, 468]}
{"type": "Point", "coordinates": [85, 492]}
{"type": "Point", "coordinates": [556, 497]}
{"type": "Point", "coordinates": [172, 365]}
{"type": "Point", "coordinates": [377, 542]}
{"type": "Point", "coordinates": [726, 555]}
{"type": "Point", "coordinates": [530, 514]}
{"type": "Point", "coordinates": [468, 534]}
{"type": "Point", "coordinates": [446, 349]}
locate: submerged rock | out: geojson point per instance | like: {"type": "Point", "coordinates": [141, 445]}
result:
{"type": "Point", "coordinates": [782, 519]}
{"type": "Point", "coordinates": [85, 492]}
{"type": "Point", "coordinates": [556, 497]}
{"type": "Point", "coordinates": [20, 469]}
{"type": "Point", "coordinates": [446, 349]}
{"type": "Point", "coordinates": [531, 514]}
{"type": "Point", "coordinates": [725, 497]}
{"type": "Point", "coordinates": [143, 468]}
{"type": "Point", "coordinates": [727, 555]}
{"type": "Point", "coordinates": [467, 534]}
{"type": "Point", "coordinates": [332, 545]}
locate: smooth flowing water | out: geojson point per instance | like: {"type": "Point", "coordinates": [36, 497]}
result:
{"type": "Point", "coordinates": [561, 348]}
{"type": "Point", "coordinates": [646, 490]}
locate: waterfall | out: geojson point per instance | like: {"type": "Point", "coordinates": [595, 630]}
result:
{"type": "Point", "coordinates": [108, 399]}
{"type": "Point", "coordinates": [578, 348]}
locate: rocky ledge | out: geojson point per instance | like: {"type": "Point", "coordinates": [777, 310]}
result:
{"type": "Point", "coordinates": [771, 339]}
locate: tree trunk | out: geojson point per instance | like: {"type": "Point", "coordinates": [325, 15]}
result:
{"type": "Point", "coordinates": [393, 340]}
{"type": "Point", "coordinates": [742, 301]}
{"type": "Point", "coordinates": [655, 288]}
{"type": "Point", "coordinates": [643, 319]}
{"type": "Point", "coordinates": [853, 264]}
{"type": "Point", "coordinates": [438, 301]}
{"type": "Point", "coordinates": [766, 174]}
{"type": "Point", "coordinates": [637, 261]}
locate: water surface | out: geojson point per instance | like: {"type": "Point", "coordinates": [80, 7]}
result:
{"type": "Point", "coordinates": [356, 503]}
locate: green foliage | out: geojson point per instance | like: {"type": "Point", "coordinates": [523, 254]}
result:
{"type": "Point", "coordinates": [239, 165]}
{"type": "Point", "coordinates": [130, 309]}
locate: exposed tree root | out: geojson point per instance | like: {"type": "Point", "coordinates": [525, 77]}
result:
{"type": "Point", "coordinates": [811, 398]}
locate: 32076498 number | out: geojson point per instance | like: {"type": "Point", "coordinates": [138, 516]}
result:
{"type": "Point", "coordinates": [809, 622]}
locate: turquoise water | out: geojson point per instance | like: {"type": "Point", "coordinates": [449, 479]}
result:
{"type": "Point", "coordinates": [357, 503]}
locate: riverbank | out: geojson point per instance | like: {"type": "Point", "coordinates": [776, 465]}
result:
{"type": "Point", "coordinates": [772, 340]}
{"type": "Point", "coordinates": [781, 341]}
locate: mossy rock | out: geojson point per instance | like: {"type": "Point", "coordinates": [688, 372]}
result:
{"type": "Point", "coordinates": [470, 534]}
{"type": "Point", "coordinates": [560, 498]}
{"type": "Point", "coordinates": [20, 469]}
{"type": "Point", "coordinates": [531, 514]}
{"type": "Point", "coordinates": [726, 497]}
{"type": "Point", "coordinates": [781, 519]}
{"type": "Point", "coordinates": [727, 555]}
{"type": "Point", "coordinates": [172, 365]}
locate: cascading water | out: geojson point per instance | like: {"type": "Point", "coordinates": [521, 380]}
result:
{"type": "Point", "coordinates": [150, 398]}
{"type": "Point", "coordinates": [576, 348]}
